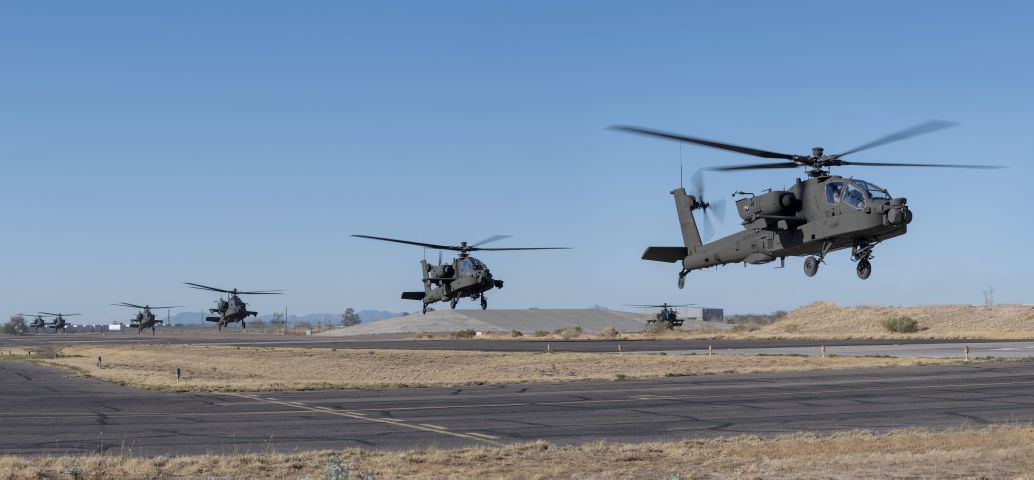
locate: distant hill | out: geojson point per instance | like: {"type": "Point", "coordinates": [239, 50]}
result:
{"type": "Point", "coordinates": [367, 316]}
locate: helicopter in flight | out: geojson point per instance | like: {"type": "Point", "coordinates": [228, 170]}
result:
{"type": "Point", "coordinates": [231, 309]}
{"type": "Point", "coordinates": [816, 216]}
{"type": "Point", "coordinates": [464, 277]}
{"type": "Point", "coordinates": [143, 319]}
{"type": "Point", "coordinates": [59, 322]}
{"type": "Point", "coordinates": [667, 313]}
{"type": "Point", "coordinates": [37, 324]}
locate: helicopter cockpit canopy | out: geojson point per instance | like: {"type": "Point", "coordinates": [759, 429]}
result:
{"type": "Point", "coordinates": [875, 192]}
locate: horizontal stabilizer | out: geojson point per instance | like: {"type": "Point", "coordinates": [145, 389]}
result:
{"type": "Point", "coordinates": [412, 295]}
{"type": "Point", "coordinates": [665, 254]}
{"type": "Point", "coordinates": [211, 319]}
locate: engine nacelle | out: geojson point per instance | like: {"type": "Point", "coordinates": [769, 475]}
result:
{"type": "Point", "coordinates": [776, 202]}
{"type": "Point", "coordinates": [443, 271]}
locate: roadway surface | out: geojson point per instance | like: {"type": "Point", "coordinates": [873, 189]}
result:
{"type": "Point", "coordinates": [47, 412]}
{"type": "Point", "coordinates": [19, 344]}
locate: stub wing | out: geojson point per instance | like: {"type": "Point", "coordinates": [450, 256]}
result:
{"type": "Point", "coordinates": [412, 295]}
{"type": "Point", "coordinates": [665, 254]}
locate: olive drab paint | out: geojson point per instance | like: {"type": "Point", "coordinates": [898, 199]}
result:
{"type": "Point", "coordinates": [816, 216]}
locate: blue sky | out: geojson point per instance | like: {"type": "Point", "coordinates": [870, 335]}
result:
{"type": "Point", "coordinates": [238, 144]}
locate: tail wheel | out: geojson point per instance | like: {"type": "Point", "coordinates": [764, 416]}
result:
{"type": "Point", "coordinates": [484, 303]}
{"type": "Point", "coordinates": [453, 303]}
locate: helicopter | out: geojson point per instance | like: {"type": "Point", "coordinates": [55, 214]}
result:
{"type": "Point", "coordinates": [144, 319]}
{"type": "Point", "coordinates": [231, 309]}
{"type": "Point", "coordinates": [816, 216]}
{"type": "Point", "coordinates": [37, 324]}
{"type": "Point", "coordinates": [59, 320]}
{"type": "Point", "coordinates": [465, 276]}
{"type": "Point", "coordinates": [667, 313]}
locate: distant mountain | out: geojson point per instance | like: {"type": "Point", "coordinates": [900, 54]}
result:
{"type": "Point", "coordinates": [367, 316]}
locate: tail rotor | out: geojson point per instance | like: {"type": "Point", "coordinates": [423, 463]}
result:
{"type": "Point", "coordinates": [714, 209]}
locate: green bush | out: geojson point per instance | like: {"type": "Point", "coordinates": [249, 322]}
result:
{"type": "Point", "coordinates": [540, 333]}
{"type": "Point", "coordinates": [516, 333]}
{"type": "Point", "coordinates": [620, 377]}
{"type": "Point", "coordinates": [468, 333]}
{"type": "Point", "coordinates": [609, 332]}
{"type": "Point", "coordinates": [901, 325]}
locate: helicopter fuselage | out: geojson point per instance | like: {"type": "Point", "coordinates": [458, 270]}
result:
{"type": "Point", "coordinates": [814, 217]}
{"type": "Point", "coordinates": [465, 277]}
{"type": "Point", "coordinates": [231, 310]}
{"type": "Point", "coordinates": [144, 320]}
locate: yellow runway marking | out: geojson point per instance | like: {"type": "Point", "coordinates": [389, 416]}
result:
{"type": "Point", "coordinates": [389, 421]}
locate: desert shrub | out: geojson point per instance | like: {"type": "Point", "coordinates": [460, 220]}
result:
{"type": "Point", "coordinates": [901, 324]}
{"type": "Point", "coordinates": [656, 328]}
{"type": "Point", "coordinates": [746, 327]}
{"type": "Point", "coordinates": [516, 333]}
{"type": "Point", "coordinates": [569, 332]}
{"type": "Point", "coordinates": [609, 332]}
{"type": "Point", "coordinates": [620, 377]}
{"type": "Point", "coordinates": [468, 333]}
{"type": "Point", "coordinates": [540, 333]}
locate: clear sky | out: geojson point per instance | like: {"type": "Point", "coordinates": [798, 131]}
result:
{"type": "Point", "coordinates": [239, 144]}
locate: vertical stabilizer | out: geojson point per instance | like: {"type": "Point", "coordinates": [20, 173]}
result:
{"type": "Point", "coordinates": [427, 282]}
{"type": "Point", "coordinates": [684, 206]}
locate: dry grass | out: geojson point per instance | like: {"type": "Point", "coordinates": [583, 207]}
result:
{"type": "Point", "coordinates": [223, 368]}
{"type": "Point", "coordinates": [988, 452]}
{"type": "Point", "coordinates": [826, 320]}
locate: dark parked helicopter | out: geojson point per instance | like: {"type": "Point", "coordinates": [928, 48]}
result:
{"type": "Point", "coordinates": [466, 276]}
{"type": "Point", "coordinates": [59, 322]}
{"type": "Point", "coordinates": [143, 319]}
{"type": "Point", "coordinates": [822, 214]}
{"type": "Point", "coordinates": [231, 309]}
{"type": "Point", "coordinates": [667, 313]}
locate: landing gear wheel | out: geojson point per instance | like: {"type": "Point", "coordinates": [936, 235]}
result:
{"type": "Point", "coordinates": [811, 266]}
{"type": "Point", "coordinates": [424, 310]}
{"type": "Point", "coordinates": [864, 269]}
{"type": "Point", "coordinates": [484, 303]}
{"type": "Point", "coordinates": [243, 325]}
{"type": "Point", "coordinates": [220, 327]}
{"type": "Point", "coordinates": [453, 302]}
{"type": "Point", "coordinates": [682, 278]}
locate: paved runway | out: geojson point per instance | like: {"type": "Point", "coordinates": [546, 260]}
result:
{"type": "Point", "coordinates": [27, 342]}
{"type": "Point", "coordinates": [47, 412]}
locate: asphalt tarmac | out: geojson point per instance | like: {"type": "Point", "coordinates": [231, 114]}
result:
{"type": "Point", "coordinates": [46, 411]}
{"type": "Point", "coordinates": [20, 344]}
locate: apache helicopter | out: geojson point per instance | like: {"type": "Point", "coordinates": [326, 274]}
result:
{"type": "Point", "coordinates": [821, 214]}
{"type": "Point", "coordinates": [231, 309]}
{"type": "Point", "coordinates": [59, 320]}
{"type": "Point", "coordinates": [466, 276]}
{"type": "Point", "coordinates": [38, 323]}
{"type": "Point", "coordinates": [667, 313]}
{"type": "Point", "coordinates": [144, 319]}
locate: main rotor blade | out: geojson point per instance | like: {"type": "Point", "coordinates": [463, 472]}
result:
{"type": "Point", "coordinates": [263, 292]}
{"type": "Point", "coordinates": [493, 238]}
{"type": "Point", "coordinates": [938, 165]}
{"type": "Point", "coordinates": [531, 248]}
{"type": "Point", "coordinates": [407, 242]}
{"type": "Point", "coordinates": [707, 143]}
{"type": "Point", "coordinates": [755, 166]}
{"type": "Point", "coordinates": [171, 306]}
{"type": "Point", "coordinates": [661, 306]}
{"type": "Point", "coordinates": [206, 287]}
{"type": "Point", "coordinates": [922, 128]}
{"type": "Point", "coordinates": [125, 304]}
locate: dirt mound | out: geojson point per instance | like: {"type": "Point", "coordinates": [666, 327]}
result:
{"type": "Point", "coordinates": [826, 320]}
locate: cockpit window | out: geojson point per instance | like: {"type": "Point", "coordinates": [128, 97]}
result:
{"type": "Point", "coordinates": [466, 267]}
{"type": "Point", "coordinates": [854, 197]}
{"type": "Point", "coordinates": [875, 192]}
{"type": "Point", "coordinates": [834, 190]}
